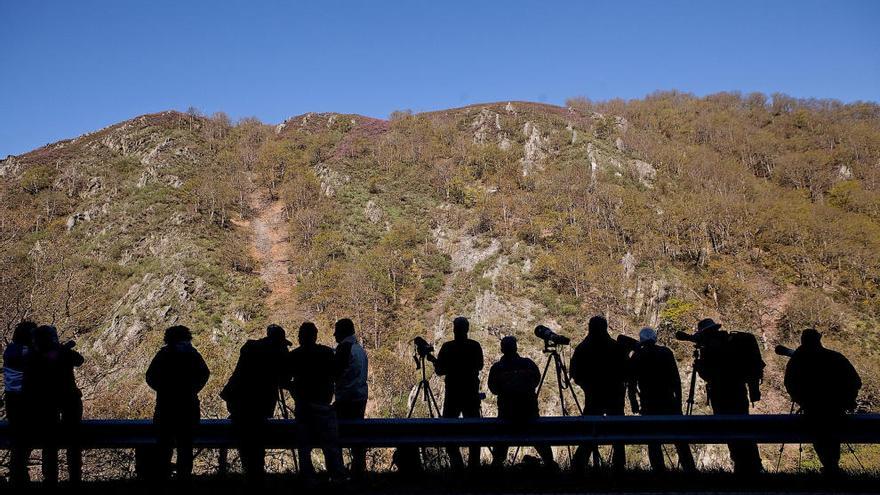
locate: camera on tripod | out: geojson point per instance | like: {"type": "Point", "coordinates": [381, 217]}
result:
{"type": "Point", "coordinates": [550, 338]}
{"type": "Point", "coordinates": [784, 351]}
{"type": "Point", "coordinates": [423, 348]}
{"type": "Point", "coordinates": [687, 337]}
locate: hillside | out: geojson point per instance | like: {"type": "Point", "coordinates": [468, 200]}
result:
{"type": "Point", "coordinates": [763, 213]}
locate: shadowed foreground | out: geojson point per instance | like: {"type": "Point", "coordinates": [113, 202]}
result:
{"type": "Point", "coordinates": [516, 480]}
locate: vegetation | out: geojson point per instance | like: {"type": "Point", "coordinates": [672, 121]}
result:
{"type": "Point", "coordinates": [762, 212]}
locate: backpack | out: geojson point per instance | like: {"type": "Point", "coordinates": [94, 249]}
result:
{"type": "Point", "coordinates": [747, 353]}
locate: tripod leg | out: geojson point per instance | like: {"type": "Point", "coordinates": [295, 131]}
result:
{"type": "Point", "coordinates": [412, 404]}
{"type": "Point", "coordinates": [431, 400]}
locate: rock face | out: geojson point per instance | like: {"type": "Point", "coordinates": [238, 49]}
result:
{"type": "Point", "coordinates": [151, 304]}
{"type": "Point", "coordinates": [331, 180]}
{"type": "Point", "coordinates": [533, 149]}
{"type": "Point", "coordinates": [372, 211]}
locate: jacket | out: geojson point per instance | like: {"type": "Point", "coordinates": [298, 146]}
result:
{"type": "Point", "coordinates": [351, 371]}
{"type": "Point", "coordinates": [177, 373]}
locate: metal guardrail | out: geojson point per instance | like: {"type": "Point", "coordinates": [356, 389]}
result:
{"type": "Point", "coordinates": [379, 433]}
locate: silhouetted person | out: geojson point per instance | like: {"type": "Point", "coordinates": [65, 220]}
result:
{"type": "Point", "coordinates": [825, 385]}
{"type": "Point", "coordinates": [460, 361]}
{"type": "Point", "coordinates": [177, 374]}
{"type": "Point", "coordinates": [311, 367]}
{"type": "Point", "coordinates": [731, 365]}
{"type": "Point", "coordinates": [654, 378]}
{"type": "Point", "coordinates": [15, 358]}
{"type": "Point", "coordinates": [598, 366]}
{"type": "Point", "coordinates": [54, 402]}
{"type": "Point", "coordinates": [351, 384]}
{"type": "Point", "coordinates": [252, 393]}
{"type": "Point", "coordinates": [514, 379]}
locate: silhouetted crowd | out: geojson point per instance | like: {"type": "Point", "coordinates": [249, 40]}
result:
{"type": "Point", "coordinates": [43, 402]}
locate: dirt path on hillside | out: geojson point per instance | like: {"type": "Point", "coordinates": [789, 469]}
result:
{"type": "Point", "coordinates": [270, 247]}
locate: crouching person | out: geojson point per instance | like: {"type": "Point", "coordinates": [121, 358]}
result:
{"type": "Point", "coordinates": [177, 373]}
{"type": "Point", "coordinates": [514, 379]}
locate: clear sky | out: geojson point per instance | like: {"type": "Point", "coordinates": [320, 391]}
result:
{"type": "Point", "coordinates": [69, 67]}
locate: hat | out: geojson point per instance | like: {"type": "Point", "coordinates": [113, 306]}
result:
{"type": "Point", "coordinates": [276, 332]}
{"type": "Point", "coordinates": [647, 334]}
{"type": "Point", "coordinates": [707, 324]}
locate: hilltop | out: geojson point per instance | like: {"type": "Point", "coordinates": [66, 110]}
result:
{"type": "Point", "coordinates": [763, 213]}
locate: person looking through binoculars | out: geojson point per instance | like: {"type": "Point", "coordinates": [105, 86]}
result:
{"type": "Point", "coordinates": [598, 366]}
{"type": "Point", "coordinates": [459, 362]}
{"type": "Point", "coordinates": [826, 385]}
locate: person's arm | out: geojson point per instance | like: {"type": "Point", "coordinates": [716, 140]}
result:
{"type": "Point", "coordinates": [534, 375]}
{"type": "Point", "coordinates": [202, 373]}
{"type": "Point", "coordinates": [76, 359]}
{"type": "Point", "coordinates": [442, 358]}
{"type": "Point", "coordinates": [674, 377]}
{"type": "Point", "coordinates": [493, 379]}
{"type": "Point", "coordinates": [154, 371]}
{"type": "Point", "coordinates": [792, 381]}
{"type": "Point", "coordinates": [341, 359]}
{"type": "Point", "coordinates": [479, 360]}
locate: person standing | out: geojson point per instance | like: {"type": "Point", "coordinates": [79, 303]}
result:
{"type": "Point", "coordinates": [598, 366]}
{"type": "Point", "coordinates": [731, 365]}
{"type": "Point", "coordinates": [252, 393]}
{"type": "Point", "coordinates": [514, 379]}
{"type": "Point", "coordinates": [351, 368]}
{"type": "Point", "coordinates": [54, 402]}
{"type": "Point", "coordinates": [177, 373]}
{"type": "Point", "coordinates": [654, 378]}
{"type": "Point", "coordinates": [826, 386]}
{"type": "Point", "coordinates": [310, 367]}
{"type": "Point", "coordinates": [459, 362]}
{"type": "Point", "coordinates": [15, 358]}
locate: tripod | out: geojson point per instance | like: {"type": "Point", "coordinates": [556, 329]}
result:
{"type": "Point", "coordinates": [563, 382]}
{"type": "Point", "coordinates": [424, 389]}
{"type": "Point", "coordinates": [693, 386]}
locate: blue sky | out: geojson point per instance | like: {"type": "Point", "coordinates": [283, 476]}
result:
{"type": "Point", "coordinates": [69, 67]}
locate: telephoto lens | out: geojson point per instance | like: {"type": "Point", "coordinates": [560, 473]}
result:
{"type": "Point", "coordinates": [423, 348]}
{"type": "Point", "coordinates": [686, 337]}
{"type": "Point", "coordinates": [784, 351]}
{"type": "Point", "coordinates": [548, 335]}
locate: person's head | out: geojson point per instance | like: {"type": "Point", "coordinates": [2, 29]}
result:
{"type": "Point", "coordinates": [811, 338]}
{"type": "Point", "coordinates": [647, 336]}
{"type": "Point", "coordinates": [707, 327]}
{"type": "Point", "coordinates": [308, 333]}
{"type": "Point", "coordinates": [508, 345]}
{"type": "Point", "coordinates": [45, 337]}
{"type": "Point", "coordinates": [343, 329]}
{"type": "Point", "coordinates": [276, 335]}
{"type": "Point", "coordinates": [598, 325]}
{"type": "Point", "coordinates": [177, 334]}
{"type": "Point", "coordinates": [460, 327]}
{"type": "Point", "coordinates": [24, 333]}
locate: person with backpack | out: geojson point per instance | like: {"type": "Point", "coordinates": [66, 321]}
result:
{"type": "Point", "coordinates": [826, 386]}
{"type": "Point", "coordinates": [252, 393]}
{"type": "Point", "coordinates": [53, 401]}
{"type": "Point", "coordinates": [15, 359]}
{"type": "Point", "coordinates": [598, 366]}
{"type": "Point", "coordinates": [732, 366]}
{"type": "Point", "coordinates": [514, 379]}
{"type": "Point", "coordinates": [177, 373]}
{"type": "Point", "coordinates": [653, 377]}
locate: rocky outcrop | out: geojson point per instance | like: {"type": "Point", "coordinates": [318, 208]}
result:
{"type": "Point", "coordinates": [372, 211]}
{"type": "Point", "coordinates": [153, 303]}
{"type": "Point", "coordinates": [533, 149]}
{"type": "Point", "coordinates": [331, 180]}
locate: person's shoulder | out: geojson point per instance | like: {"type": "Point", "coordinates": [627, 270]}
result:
{"type": "Point", "coordinates": [324, 349]}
